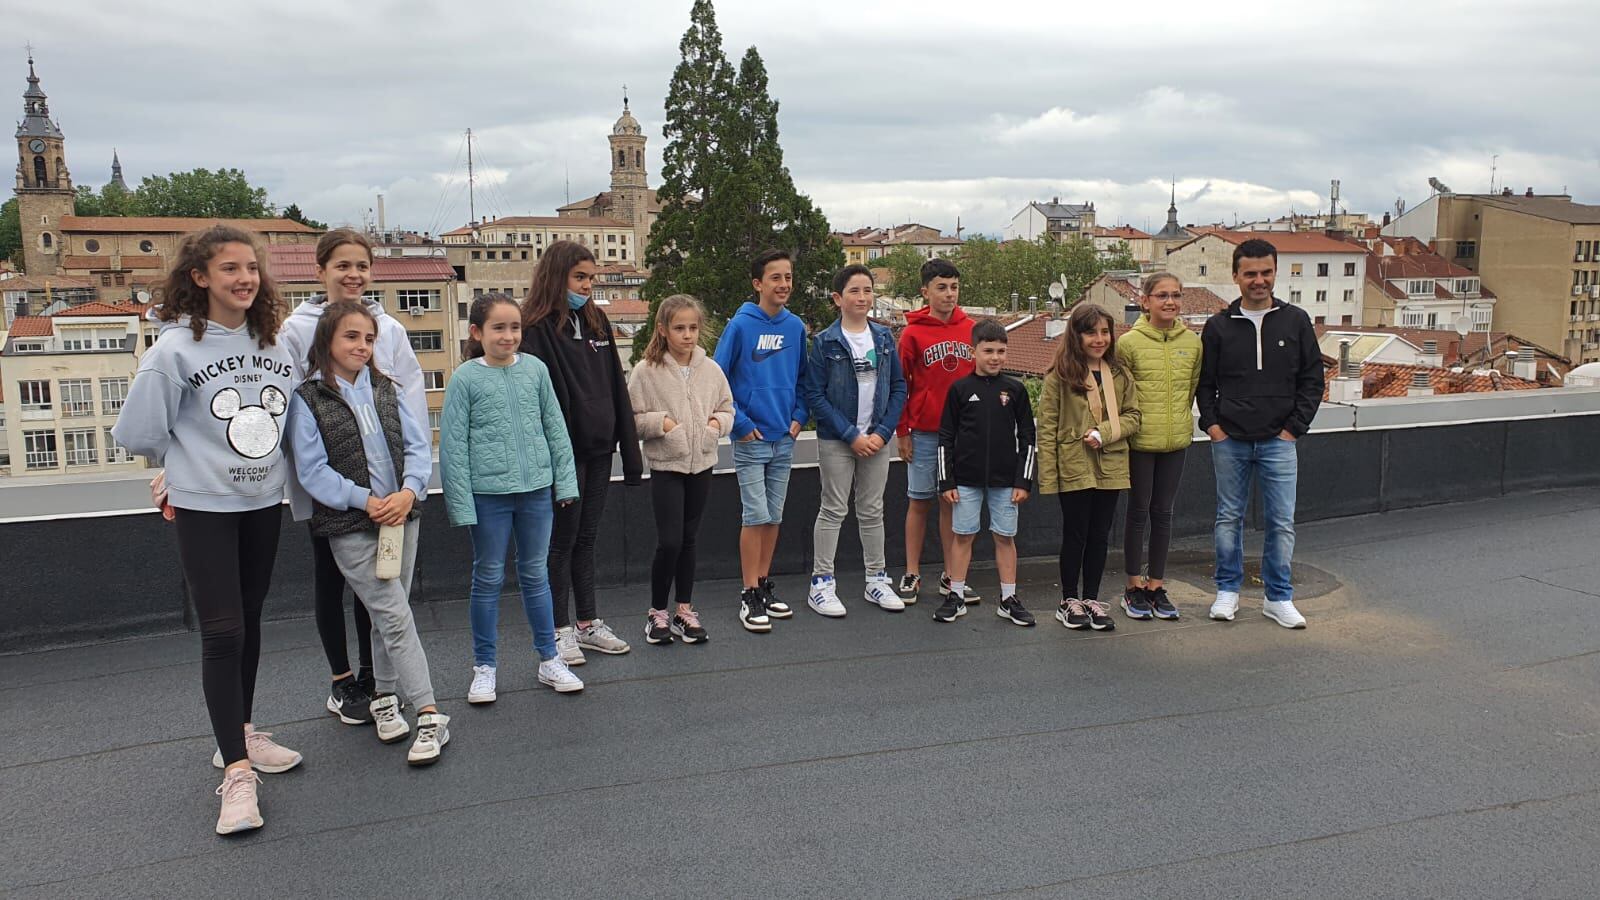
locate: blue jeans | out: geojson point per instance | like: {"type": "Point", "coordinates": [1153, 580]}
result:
{"type": "Point", "coordinates": [922, 473]}
{"type": "Point", "coordinates": [763, 470]}
{"type": "Point", "coordinates": [527, 517]}
{"type": "Point", "coordinates": [1274, 465]}
{"type": "Point", "coordinates": [967, 516]}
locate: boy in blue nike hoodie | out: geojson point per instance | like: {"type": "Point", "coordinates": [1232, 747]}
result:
{"type": "Point", "coordinates": [762, 351]}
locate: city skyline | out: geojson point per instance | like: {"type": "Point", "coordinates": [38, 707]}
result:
{"type": "Point", "coordinates": [886, 116]}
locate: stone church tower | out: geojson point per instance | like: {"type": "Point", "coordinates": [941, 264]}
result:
{"type": "Point", "coordinates": [44, 186]}
{"type": "Point", "coordinates": [630, 194]}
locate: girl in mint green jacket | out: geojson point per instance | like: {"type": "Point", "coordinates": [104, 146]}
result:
{"type": "Point", "coordinates": [506, 462]}
{"type": "Point", "coordinates": [1164, 357]}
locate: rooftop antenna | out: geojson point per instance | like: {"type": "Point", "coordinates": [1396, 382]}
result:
{"type": "Point", "coordinates": [566, 167]}
{"type": "Point", "coordinates": [1494, 164]}
{"type": "Point", "coordinates": [472, 205]}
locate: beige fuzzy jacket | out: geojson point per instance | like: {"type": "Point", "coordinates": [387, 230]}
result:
{"type": "Point", "coordinates": [661, 391]}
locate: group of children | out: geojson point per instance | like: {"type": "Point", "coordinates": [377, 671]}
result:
{"type": "Point", "coordinates": [241, 405]}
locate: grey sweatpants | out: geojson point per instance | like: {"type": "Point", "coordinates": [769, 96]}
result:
{"type": "Point", "coordinates": [840, 469]}
{"type": "Point", "coordinates": [398, 664]}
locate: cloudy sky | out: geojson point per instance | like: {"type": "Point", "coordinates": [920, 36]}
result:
{"type": "Point", "coordinates": [890, 111]}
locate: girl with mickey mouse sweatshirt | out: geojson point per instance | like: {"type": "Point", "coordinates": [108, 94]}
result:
{"type": "Point", "coordinates": [208, 404]}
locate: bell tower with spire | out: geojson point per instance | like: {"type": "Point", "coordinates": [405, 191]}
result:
{"type": "Point", "coordinates": [1172, 234]}
{"type": "Point", "coordinates": [116, 171]}
{"type": "Point", "coordinates": [44, 186]}
{"type": "Point", "coordinates": [629, 189]}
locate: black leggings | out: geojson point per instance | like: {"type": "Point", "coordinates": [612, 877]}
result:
{"type": "Point", "coordinates": [328, 594]}
{"type": "Point", "coordinates": [680, 500]}
{"type": "Point", "coordinates": [227, 566]}
{"type": "Point", "coordinates": [1085, 534]}
{"type": "Point", "coordinates": [1155, 487]}
{"type": "Point", "coordinates": [571, 562]}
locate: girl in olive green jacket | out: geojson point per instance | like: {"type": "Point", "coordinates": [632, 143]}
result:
{"type": "Point", "coordinates": [1087, 412]}
{"type": "Point", "coordinates": [1164, 357]}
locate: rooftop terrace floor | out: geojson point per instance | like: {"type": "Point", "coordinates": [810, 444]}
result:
{"type": "Point", "coordinates": [1435, 732]}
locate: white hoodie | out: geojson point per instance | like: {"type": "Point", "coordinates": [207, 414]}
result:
{"type": "Point", "coordinates": [394, 357]}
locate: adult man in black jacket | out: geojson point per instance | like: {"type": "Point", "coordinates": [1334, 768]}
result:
{"type": "Point", "coordinates": [1261, 382]}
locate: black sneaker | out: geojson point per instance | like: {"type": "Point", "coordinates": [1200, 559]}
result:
{"type": "Point", "coordinates": [1136, 603]}
{"type": "Point", "coordinates": [951, 609]}
{"type": "Point", "coordinates": [686, 625]}
{"type": "Point", "coordinates": [1073, 614]}
{"type": "Point", "coordinates": [1099, 616]}
{"type": "Point", "coordinates": [1012, 608]}
{"type": "Point", "coordinates": [753, 611]}
{"type": "Point", "coordinates": [910, 586]}
{"type": "Point", "coordinates": [349, 702]}
{"type": "Point", "coordinates": [775, 608]}
{"type": "Point", "coordinates": [1161, 605]}
{"type": "Point", "coordinates": [657, 627]}
{"type": "Point", "coordinates": [968, 595]}
{"type": "Point", "coordinates": [368, 682]}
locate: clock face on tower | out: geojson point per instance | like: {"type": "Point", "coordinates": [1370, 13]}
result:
{"type": "Point", "coordinates": [36, 145]}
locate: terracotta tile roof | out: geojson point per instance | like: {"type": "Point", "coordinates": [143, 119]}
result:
{"type": "Point", "coordinates": [1452, 347]}
{"type": "Point", "coordinates": [144, 262]}
{"type": "Point", "coordinates": [85, 262]}
{"type": "Point", "coordinates": [1197, 300]}
{"type": "Point", "coordinates": [97, 308]}
{"type": "Point", "coordinates": [297, 264]}
{"type": "Point", "coordinates": [1027, 350]}
{"type": "Point", "coordinates": [31, 326]}
{"type": "Point", "coordinates": [55, 282]}
{"type": "Point", "coordinates": [178, 225]}
{"type": "Point", "coordinates": [1126, 232]}
{"type": "Point", "coordinates": [573, 222]}
{"type": "Point", "coordinates": [1389, 380]}
{"type": "Point", "coordinates": [627, 310]}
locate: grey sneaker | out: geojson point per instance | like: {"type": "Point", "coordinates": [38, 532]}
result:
{"type": "Point", "coordinates": [599, 636]}
{"type": "Point", "coordinates": [567, 646]}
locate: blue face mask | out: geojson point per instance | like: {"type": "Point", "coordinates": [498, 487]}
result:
{"type": "Point", "coordinates": [576, 301]}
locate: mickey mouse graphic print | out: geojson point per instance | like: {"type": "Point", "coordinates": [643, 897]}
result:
{"type": "Point", "coordinates": [211, 412]}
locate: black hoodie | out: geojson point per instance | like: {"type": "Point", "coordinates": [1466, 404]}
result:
{"type": "Point", "coordinates": [986, 434]}
{"type": "Point", "coordinates": [1256, 385]}
{"type": "Point", "coordinates": [587, 375]}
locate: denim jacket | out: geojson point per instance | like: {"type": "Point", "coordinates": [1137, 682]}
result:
{"type": "Point", "coordinates": [829, 384]}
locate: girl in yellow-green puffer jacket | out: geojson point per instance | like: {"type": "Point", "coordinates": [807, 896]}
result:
{"type": "Point", "coordinates": [1164, 357]}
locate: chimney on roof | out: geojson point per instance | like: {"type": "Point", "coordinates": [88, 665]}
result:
{"type": "Point", "coordinates": [1055, 200]}
{"type": "Point", "coordinates": [1528, 193]}
{"type": "Point", "coordinates": [1430, 355]}
{"type": "Point", "coordinates": [1525, 365]}
{"type": "Point", "coordinates": [1130, 313]}
{"type": "Point", "coordinates": [1386, 219]}
{"type": "Point", "coordinates": [1505, 192]}
{"type": "Point", "coordinates": [1346, 384]}
{"type": "Point", "coordinates": [1421, 384]}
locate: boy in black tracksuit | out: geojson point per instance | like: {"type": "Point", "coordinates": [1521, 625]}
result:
{"type": "Point", "coordinates": [986, 458]}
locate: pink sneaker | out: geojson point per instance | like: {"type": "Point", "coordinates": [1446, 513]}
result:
{"type": "Point", "coordinates": [239, 809]}
{"type": "Point", "coordinates": [265, 754]}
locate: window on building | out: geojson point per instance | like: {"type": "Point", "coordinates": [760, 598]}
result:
{"type": "Point", "coordinates": [526, 238]}
{"type": "Point", "coordinates": [150, 339]}
{"type": "Point", "coordinates": [77, 397]}
{"type": "Point", "coordinates": [611, 239]}
{"type": "Point", "coordinates": [294, 298]}
{"type": "Point", "coordinates": [477, 254]}
{"type": "Point", "coordinates": [1419, 287]}
{"type": "Point", "coordinates": [1466, 249]}
{"type": "Point", "coordinates": [119, 278]}
{"type": "Point", "coordinates": [433, 380]}
{"type": "Point", "coordinates": [115, 452]}
{"type": "Point", "coordinates": [1322, 270]}
{"type": "Point", "coordinates": [505, 254]}
{"type": "Point", "coordinates": [611, 253]}
{"type": "Point", "coordinates": [1294, 297]}
{"type": "Point", "coordinates": [1349, 270]}
{"type": "Point", "coordinates": [105, 279]}
{"type": "Point", "coordinates": [1203, 269]}
{"type": "Point", "coordinates": [424, 300]}
{"type": "Point", "coordinates": [1349, 296]}
{"type": "Point", "coordinates": [524, 254]}
{"type": "Point", "coordinates": [27, 346]}
{"type": "Point", "coordinates": [113, 392]}
{"type": "Point", "coordinates": [1322, 296]}
{"type": "Point", "coordinates": [426, 341]}
{"type": "Point", "coordinates": [435, 416]}
{"type": "Point", "coordinates": [79, 444]}
{"type": "Point", "coordinates": [1296, 270]}
{"type": "Point", "coordinates": [35, 399]}
{"type": "Point", "coordinates": [1579, 254]}
{"type": "Point", "coordinates": [39, 449]}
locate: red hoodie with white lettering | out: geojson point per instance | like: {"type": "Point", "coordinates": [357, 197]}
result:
{"type": "Point", "coordinates": [934, 354]}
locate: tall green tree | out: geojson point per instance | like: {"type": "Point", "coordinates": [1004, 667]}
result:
{"type": "Point", "coordinates": [991, 271]}
{"type": "Point", "coordinates": [10, 231]}
{"type": "Point", "coordinates": [904, 265]}
{"type": "Point", "coordinates": [292, 213]}
{"type": "Point", "coordinates": [726, 194]}
{"type": "Point", "coordinates": [223, 194]}
{"type": "Point", "coordinates": [110, 200]}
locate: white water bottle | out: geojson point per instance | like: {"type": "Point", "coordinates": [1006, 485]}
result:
{"type": "Point", "coordinates": [391, 545]}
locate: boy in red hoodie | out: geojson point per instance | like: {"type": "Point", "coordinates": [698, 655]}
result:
{"type": "Point", "coordinates": [935, 352]}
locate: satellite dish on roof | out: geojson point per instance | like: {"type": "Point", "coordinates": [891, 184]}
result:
{"type": "Point", "coordinates": [1463, 324]}
{"type": "Point", "coordinates": [1056, 291]}
{"type": "Point", "coordinates": [142, 296]}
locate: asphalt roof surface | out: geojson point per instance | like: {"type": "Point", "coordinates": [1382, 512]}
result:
{"type": "Point", "coordinates": [1434, 732]}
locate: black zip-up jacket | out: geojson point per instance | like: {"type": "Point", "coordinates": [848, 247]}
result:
{"type": "Point", "coordinates": [986, 434]}
{"type": "Point", "coordinates": [1253, 385]}
{"type": "Point", "coordinates": [587, 375]}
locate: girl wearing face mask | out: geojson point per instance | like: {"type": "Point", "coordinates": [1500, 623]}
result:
{"type": "Point", "coordinates": [566, 329]}
{"type": "Point", "coordinates": [1164, 357]}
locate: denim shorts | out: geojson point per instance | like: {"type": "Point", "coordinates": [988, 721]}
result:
{"type": "Point", "coordinates": [922, 473]}
{"type": "Point", "coordinates": [763, 470]}
{"type": "Point", "coordinates": [969, 509]}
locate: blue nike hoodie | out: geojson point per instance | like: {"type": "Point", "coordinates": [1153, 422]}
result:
{"type": "Point", "coordinates": [762, 356]}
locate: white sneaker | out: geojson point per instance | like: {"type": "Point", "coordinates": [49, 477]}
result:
{"type": "Point", "coordinates": [567, 646]}
{"type": "Point", "coordinates": [1284, 613]}
{"type": "Point", "coordinates": [599, 636]}
{"type": "Point", "coordinates": [1227, 603]}
{"type": "Point", "coordinates": [432, 735]}
{"type": "Point", "coordinates": [880, 593]}
{"type": "Point", "coordinates": [386, 715]}
{"type": "Point", "coordinates": [824, 597]}
{"type": "Point", "coordinates": [482, 690]}
{"type": "Point", "coordinates": [555, 673]}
